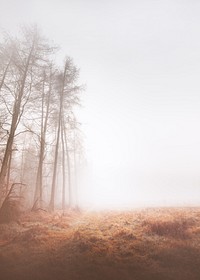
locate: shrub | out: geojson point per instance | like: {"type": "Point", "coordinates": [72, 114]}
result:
{"type": "Point", "coordinates": [11, 206]}
{"type": "Point", "coordinates": [175, 228]}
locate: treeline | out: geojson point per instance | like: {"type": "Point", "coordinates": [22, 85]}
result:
{"type": "Point", "coordinates": [39, 133]}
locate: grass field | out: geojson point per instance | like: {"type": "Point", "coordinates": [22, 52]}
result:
{"type": "Point", "coordinates": [144, 244]}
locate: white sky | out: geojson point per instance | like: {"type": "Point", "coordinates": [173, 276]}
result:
{"type": "Point", "coordinates": [141, 117]}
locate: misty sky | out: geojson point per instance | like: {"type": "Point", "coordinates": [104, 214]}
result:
{"type": "Point", "coordinates": [140, 61]}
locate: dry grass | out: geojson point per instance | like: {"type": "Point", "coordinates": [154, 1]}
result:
{"type": "Point", "coordinates": [11, 207]}
{"type": "Point", "coordinates": [175, 228]}
{"type": "Point", "coordinates": [148, 244]}
{"type": "Point", "coordinates": [10, 211]}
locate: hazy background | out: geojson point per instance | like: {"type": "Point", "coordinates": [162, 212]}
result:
{"type": "Point", "coordinates": [141, 110]}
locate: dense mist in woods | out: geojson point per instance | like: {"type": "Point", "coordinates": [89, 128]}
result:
{"type": "Point", "coordinates": [99, 140]}
{"type": "Point", "coordinates": [40, 135]}
{"type": "Point", "coordinates": [139, 115]}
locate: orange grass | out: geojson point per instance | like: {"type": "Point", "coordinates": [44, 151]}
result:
{"type": "Point", "coordinates": [134, 245]}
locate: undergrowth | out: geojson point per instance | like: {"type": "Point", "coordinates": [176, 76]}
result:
{"type": "Point", "coordinates": [171, 228]}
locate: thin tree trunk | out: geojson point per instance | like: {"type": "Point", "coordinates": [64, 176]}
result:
{"type": "Point", "coordinates": [5, 73]}
{"type": "Point", "coordinates": [8, 174]}
{"type": "Point", "coordinates": [68, 168]}
{"type": "Point", "coordinates": [38, 187]}
{"type": "Point", "coordinates": [63, 167]}
{"type": "Point", "coordinates": [22, 171]}
{"type": "Point", "coordinates": [39, 178]}
{"type": "Point", "coordinates": [75, 172]}
{"type": "Point", "coordinates": [53, 186]}
{"type": "Point", "coordinates": [14, 123]}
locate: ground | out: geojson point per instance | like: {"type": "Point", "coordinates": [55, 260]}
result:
{"type": "Point", "coordinates": [144, 244]}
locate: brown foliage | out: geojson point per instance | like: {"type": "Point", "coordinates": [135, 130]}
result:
{"type": "Point", "coordinates": [143, 245]}
{"type": "Point", "coordinates": [12, 205]}
{"type": "Point", "coordinates": [176, 228]}
{"type": "Point", "coordinates": [10, 211]}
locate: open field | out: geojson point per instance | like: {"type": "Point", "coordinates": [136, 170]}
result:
{"type": "Point", "coordinates": [145, 244]}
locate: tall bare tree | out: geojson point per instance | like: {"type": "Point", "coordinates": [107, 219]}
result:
{"type": "Point", "coordinates": [67, 97]}
{"type": "Point", "coordinates": [46, 99]}
{"type": "Point", "coordinates": [29, 54]}
{"type": "Point", "coordinates": [37, 107]}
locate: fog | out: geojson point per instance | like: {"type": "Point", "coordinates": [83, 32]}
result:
{"type": "Point", "coordinates": [140, 61]}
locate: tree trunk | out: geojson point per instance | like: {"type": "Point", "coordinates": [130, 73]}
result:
{"type": "Point", "coordinates": [8, 174]}
{"type": "Point", "coordinates": [39, 178]}
{"type": "Point", "coordinates": [75, 172]}
{"type": "Point", "coordinates": [15, 120]}
{"type": "Point", "coordinates": [68, 169]}
{"type": "Point", "coordinates": [63, 167]}
{"type": "Point", "coordinates": [53, 185]}
{"type": "Point", "coordinates": [5, 73]}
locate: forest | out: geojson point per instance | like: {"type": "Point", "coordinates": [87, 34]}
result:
{"type": "Point", "coordinates": [44, 233]}
{"type": "Point", "coordinates": [40, 134]}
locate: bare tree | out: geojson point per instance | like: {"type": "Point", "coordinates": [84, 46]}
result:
{"type": "Point", "coordinates": [46, 99]}
{"type": "Point", "coordinates": [64, 148]}
{"type": "Point", "coordinates": [24, 63]}
{"type": "Point", "coordinates": [67, 94]}
{"type": "Point", "coordinates": [37, 109]}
